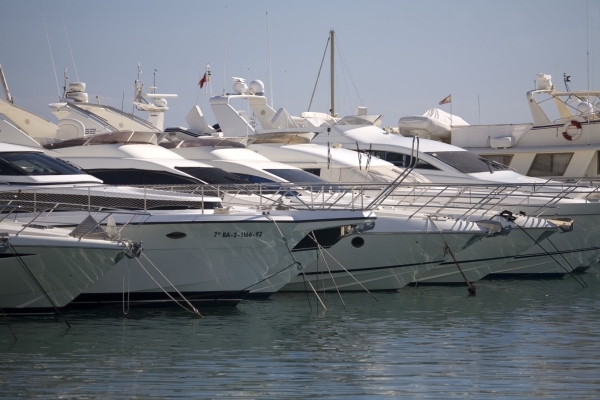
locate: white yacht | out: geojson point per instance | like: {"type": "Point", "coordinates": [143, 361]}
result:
{"type": "Point", "coordinates": [224, 252]}
{"type": "Point", "coordinates": [44, 266]}
{"type": "Point", "coordinates": [438, 162]}
{"type": "Point", "coordinates": [341, 165]}
{"type": "Point", "coordinates": [566, 147]}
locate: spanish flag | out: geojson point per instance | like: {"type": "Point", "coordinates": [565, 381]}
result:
{"type": "Point", "coordinates": [446, 100]}
{"type": "Point", "coordinates": [205, 79]}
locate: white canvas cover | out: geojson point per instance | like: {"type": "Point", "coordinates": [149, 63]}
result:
{"type": "Point", "coordinates": [434, 124]}
{"type": "Point", "coordinates": [488, 135]}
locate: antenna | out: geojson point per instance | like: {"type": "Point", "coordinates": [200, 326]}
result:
{"type": "Point", "coordinates": [225, 62]}
{"type": "Point", "coordinates": [332, 35]}
{"type": "Point", "coordinates": [479, 109]}
{"type": "Point", "coordinates": [269, 47]}
{"type": "Point", "coordinates": [208, 78]}
{"type": "Point", "coordinates": [5, 86]}
{"type": "Point", "coordinates": [154, 85]}
{"type": "Point", "coordinates": [567, 79]}
{"type": "Point", "coordinates": [69, 42]}
{"type": "Point", "coordinates": [51, 56]}
{"type": "Point", "coordinates": [587, 48]}
{"type": "Point", "coordinates": [65, 79]}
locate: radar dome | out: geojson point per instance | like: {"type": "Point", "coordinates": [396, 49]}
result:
{"type": "Point", "coordinates": [76, 86]}
{"type": "Point", "coordinates": [239, 86]}
{"type": "Point", "coordinates": [78, 97]}
{"type": "Point", "coordinates": [160, 102]}
{"type": "Point", "coordinates": [585, 108]}
{"type": "Point", "coordinates": [257, 87]}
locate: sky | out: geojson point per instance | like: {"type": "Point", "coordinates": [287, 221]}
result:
{"type": "Point", "coordinates": [397, 58]}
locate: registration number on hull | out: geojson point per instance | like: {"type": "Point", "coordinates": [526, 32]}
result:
{"type": "Point", "coordinates": [238, 234]}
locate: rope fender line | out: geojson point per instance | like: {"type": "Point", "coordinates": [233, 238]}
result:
{"type": "Point", "coordinates": [192, 309]}
{"type": "Point", "coordinates": [128, 286]}
{"type": "Point", "coordinates": [322, 249]}
{"type": "Point", "coordinates": [447, 250]}
{"type": "Point", "coordinates": [8, 324]}
{"type": "Point", "coordinates": [295, 262]}
{"type": "Point", "coordinates": [419, 270]}
{"type": "Point", "coordinates": [314, 239]}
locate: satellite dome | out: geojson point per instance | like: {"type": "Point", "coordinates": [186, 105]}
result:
{"type": "Point", "coordinates": [585, 108]}
{"type": "Point", "coordinates": [257, 87]}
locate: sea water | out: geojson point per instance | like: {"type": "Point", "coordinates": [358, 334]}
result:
{"type": "Point", "coordinates": [514, 339]}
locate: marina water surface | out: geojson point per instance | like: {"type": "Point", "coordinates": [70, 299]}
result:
{"type": "Point", "coordinates": [514, 339]}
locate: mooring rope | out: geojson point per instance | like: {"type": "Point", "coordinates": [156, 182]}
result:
{"type": "Point", "coordinates": [470, 287]}
{"type": "Point", "coordinates": [423, 253]}
{"type": "Point", "coordinates": [128, 286]}
{"type": "Point", "coordinates": [8, 323]}
{"type": "Point", "coordinates": [508, 215]}
{"type": "Point", "coordinates": [295, 262]}
{"type": "Point", "coordinates": [319, 249]}
{"type": "Point", "coordinates": [344, 268]}
{"type": "Point", "coordinates": [193, 310]}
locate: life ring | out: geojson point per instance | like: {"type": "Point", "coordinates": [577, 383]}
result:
{"type": "Point", "coordinates": [566, 127]}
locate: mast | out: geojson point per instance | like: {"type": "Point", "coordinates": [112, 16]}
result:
{"type": "Point", "coordinates": [5, 86]}
{"type": "Point", "coordinates": [331, 35]}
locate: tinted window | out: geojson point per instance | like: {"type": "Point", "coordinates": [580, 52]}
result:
{"type": "Point", "coordinates": [296, 175]}
{"type": "Point", "coordinates": [140, 177]}
{"type": "Point", "coordinates": [314, 171]}
{"type": "Point", "coordinates": [466, 162]}
{"type": "Point", "coordinates": [503, 159]}
{"type": "Point", "coordinates": [400, 159]}
{"type": "Point", "coordinates": [254, 178]}
{"type": "Point", "coordinates": [215, 176]}
{"type": "Point", "coordinates": [34, 164]}
{"type": "Point", "coordinates": [550, 164]}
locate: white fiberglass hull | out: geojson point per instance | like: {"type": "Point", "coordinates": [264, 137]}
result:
{"type": "Point", "coordinates": [391, 255]}
{"type": "Point", "coordinates": [560, 254]}
{"type": "Point", "coordinates": [216, 259]}
{"type": "Point", "coordinates": [64, 267]}
{"type": "Point", "coordinates": [483, 257]}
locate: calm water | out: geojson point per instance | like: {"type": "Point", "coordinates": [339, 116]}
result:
{"type": "Point", "coordinates": [515, 339]}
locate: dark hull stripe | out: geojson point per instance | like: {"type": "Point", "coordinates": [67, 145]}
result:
{"type": "Point", "coordinates": [326, 272]}
{"type": "Point", "coordinates": [361, 219]}
{"type": "Point", "coordinates": [444, 262]}
{"type": "Point", "coordinates": [202, 299]}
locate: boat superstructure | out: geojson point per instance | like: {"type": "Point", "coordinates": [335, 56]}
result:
{"type": "Point", "coordinates": [548, 147]}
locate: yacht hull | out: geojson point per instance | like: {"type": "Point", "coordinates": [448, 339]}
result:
{"type": "Point", "coordinates": [479, 260]}
{"type": "Point", "coordinates": [64, 267]}
{"type": "Point", "coordinates": [562, 253]}
{"type": "Point", "coordinates": [216, 260]}
{"type": "Point", "coordinates": [390, 257]}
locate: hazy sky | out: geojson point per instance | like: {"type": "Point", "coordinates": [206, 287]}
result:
{"type": "Point", "coordinates": [397, 58]}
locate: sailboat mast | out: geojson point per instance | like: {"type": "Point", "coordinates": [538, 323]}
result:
{"type": "Point", "coordinates": [331, 34]}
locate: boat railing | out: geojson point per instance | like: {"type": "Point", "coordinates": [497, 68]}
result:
{"type": "Point", "coordinates": [459, 199]}
{"type": "Point", "coordinates": [414, 198]}
{"type": "Point", "coordinates": [38, 213]}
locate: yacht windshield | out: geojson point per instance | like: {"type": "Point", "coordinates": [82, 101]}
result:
{"type": "Point", "coordinates": [467, 162]}
{"type": "Point", "coordinates": [34, 164]}
{"type": "Point", "coordinates": [134, 177]}
{"type": "Point", "coordinates": [296, 176]}
{"type": "Point", "coordinates": [213, 176]}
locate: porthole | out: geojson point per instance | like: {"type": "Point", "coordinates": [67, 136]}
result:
{"type": "Point", "coordinates": [176, 235]}
{"type": "Point", "coordinates": [358, 242]}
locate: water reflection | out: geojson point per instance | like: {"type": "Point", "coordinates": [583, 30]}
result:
{"type": "Point", "coordinates": [518, 338]}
